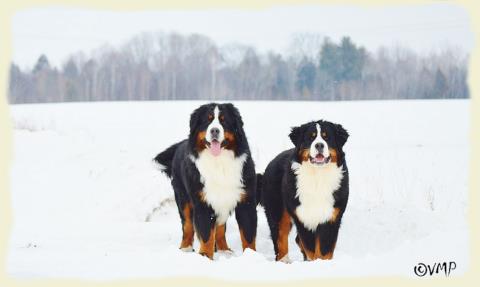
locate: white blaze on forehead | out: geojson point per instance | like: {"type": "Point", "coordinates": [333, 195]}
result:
{"type": "Point", "coordinates": [319, 139]}
{"type": "Point", "coordinates": [215, 124]}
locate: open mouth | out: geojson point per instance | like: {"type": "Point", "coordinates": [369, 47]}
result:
{"type": "Point", "coordinates": [215, 147]}
{"type": "Point", "coordinates": [320, 159]}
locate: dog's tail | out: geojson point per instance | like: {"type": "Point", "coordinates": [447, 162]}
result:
{"type": "Point", "coordinates": [259, 188]}
{"type": "Point", "coordinates": [165, 158]}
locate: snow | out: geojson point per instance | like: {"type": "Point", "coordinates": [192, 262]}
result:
{"type": "Point", "coordinates": [89, 203]}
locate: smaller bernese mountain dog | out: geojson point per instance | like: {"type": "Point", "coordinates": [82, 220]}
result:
{"type": "Point", "coordinates": [213, 174]}
{"type": "Point", "coordinates": [309, 185]}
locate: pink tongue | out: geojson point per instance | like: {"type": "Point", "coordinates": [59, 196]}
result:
{"type": "Point", "coordinates": [215, 148]}
{"type": "Point", "coordinates": [319, 158]}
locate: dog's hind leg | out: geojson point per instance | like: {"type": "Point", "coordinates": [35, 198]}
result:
{"type": "Point", "coordinates": [187, 228]}
{"type": "Point", "coordinates": [185, 210]}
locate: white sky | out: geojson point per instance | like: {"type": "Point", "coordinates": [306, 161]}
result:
{"type": "Point", "coordinates": [59, 32]}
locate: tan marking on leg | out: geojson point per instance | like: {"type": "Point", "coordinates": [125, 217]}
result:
{"type": "Point", "coordinates": [284, 227]}
{"type": "Point", "coordinates": [220, 239]}
{"type": "Point", "coordinates": [245, 243]}
{"type": "Point", "coordinates": [329, 254]}
{"type": "Point", "coordinates": [333, 155]}
{"type": "Point", "coordinates": [318, 251]}
{"type": "Point", "coordinates": [309, 253]}
{"type": "Point", "coordinates": [188, 231]}
{"type": "Point", "coordinates": [207, 247]}
{"type": "Point", "coordinates": [299, 243]}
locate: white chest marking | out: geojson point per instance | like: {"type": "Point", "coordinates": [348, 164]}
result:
{"type": "Point", "coordinates": [315, 188]}
{"type": "Point", "coordinates": [222, 179]}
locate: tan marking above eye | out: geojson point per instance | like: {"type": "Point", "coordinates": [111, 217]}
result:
{"type": "Point", "coordinates": [222, 118]}
{"type": "Point", "coordinates": [324, 134]}
{"type": "Point", "coordinates": [314, 134]}
{"type": "Point", "coordinates": [210, 117]}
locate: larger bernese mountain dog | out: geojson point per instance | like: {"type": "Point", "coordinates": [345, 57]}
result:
{"type": "Point", "coordinates": [309, 185]}
{"type": "Point", "coordinates": [213, 174]}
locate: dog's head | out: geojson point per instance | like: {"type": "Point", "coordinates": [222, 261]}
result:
{"type": "Point", "coordinates": [217, 127]}
{"type": "Point", "coordinates": [319, 143]}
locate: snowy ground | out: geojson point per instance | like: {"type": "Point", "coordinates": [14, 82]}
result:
{"type": "Point", "coordinates": [89, 203]}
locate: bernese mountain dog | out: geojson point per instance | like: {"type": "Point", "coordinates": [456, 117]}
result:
{"type": "Point", "coordinates": [212, 174]}
{"type": "Point", "coordinates": [309, 186]}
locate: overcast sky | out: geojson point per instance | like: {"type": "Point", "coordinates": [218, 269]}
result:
{"type": "Point", "coordinates": [60, 32]}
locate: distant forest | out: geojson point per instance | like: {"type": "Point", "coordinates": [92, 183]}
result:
{"type": "Point", "coordinates": [157, 66]}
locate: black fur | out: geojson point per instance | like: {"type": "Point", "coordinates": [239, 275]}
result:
{"type": "Point", "coordinates": [165, 159]}
{"type": "Point", "coordinates": [186, 179]}
{"type": "Point", "coordinates": [279, 188]}
{"type": "Point", "coordinates": [259, 188]}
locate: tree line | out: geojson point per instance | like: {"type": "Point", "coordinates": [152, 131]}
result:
{"type": "Point", "coordinates": [192, 67]}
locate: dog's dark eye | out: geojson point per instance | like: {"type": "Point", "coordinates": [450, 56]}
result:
{"type": "Point", "coordinates": [313, 135]}
{"type": "Point", "coordinates": [222, 118]}
{"type": "Point", "coordinates": [210, 117]}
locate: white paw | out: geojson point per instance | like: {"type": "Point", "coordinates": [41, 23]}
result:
{"type": "Point", "coordinates": [227, 253]}
{"type": "Point", "coordinates": [285, 259]}
{"type": "Point", "coordinates": [187, 249]}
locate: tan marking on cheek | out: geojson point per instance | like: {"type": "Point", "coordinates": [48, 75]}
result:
{"type": "Point", "coordinates": [201, 141]}
{"type": "Point", "coordinates": [304, 154]}
{"type": "Point", "coordinates": [333, 154]}
{"type": "Point", "coordinates": [230, 137]}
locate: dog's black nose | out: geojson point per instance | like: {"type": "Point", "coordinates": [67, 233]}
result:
{"type": "Point", "coordinates": [319, 146]}
{"type": "Point", "coordinates": [214, 132]}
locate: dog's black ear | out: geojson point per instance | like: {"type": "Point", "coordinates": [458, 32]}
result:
{"type": "Point", "coordinates": [194, 119]}
{"type": "Point", "coordinates": [296, 135]}
{"type": "Point", "coordinates": [341, 135]}
{"type": "Point", "coordinates": [194, 122]}
{"type": "Point", "coordinates": [236, 114]}
{"type": "Point", "coordinates": [242, 143]}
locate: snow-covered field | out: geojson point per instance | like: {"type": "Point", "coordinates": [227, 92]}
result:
{"type": "Point", "coordinates": [89, 203]}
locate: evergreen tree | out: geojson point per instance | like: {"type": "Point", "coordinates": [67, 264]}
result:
{"type": "Point", "coordinates": [440, 87]}
{"type": "Point", "coordinates": [42, 64]}
{"type": "Point", "coordinates": [342, 62]}
{"type": "Point", "coordinates": [306, 72]}
{"type": "Point", "coordinates": [352, 60]}
{"type": "Point", "coordinates": [330, 59]}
